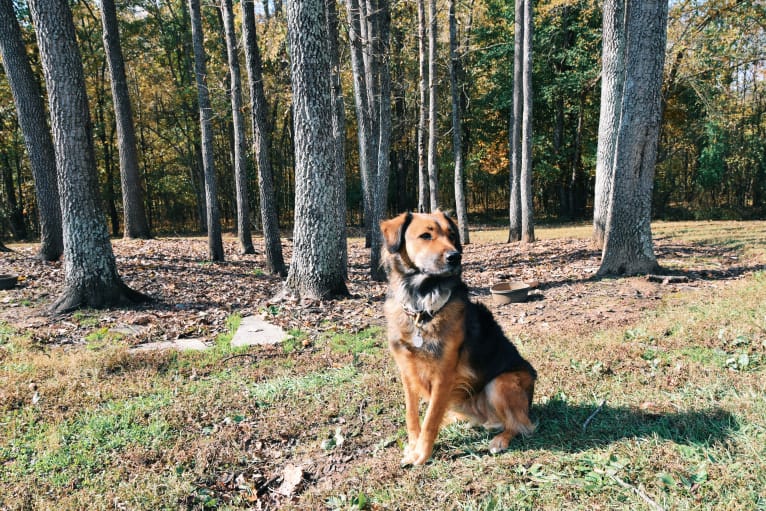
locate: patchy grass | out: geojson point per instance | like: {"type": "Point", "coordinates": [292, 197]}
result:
{"type": "Point", "coordinates": [667, 410]}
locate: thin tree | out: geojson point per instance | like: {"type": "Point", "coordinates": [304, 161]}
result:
{"type": "Point", "coordinates": [136, 225]}
{"type": "Point", "coordinates": [238, 122]}
{"type": "Point", "coordinates": [383, 167]}
{"type": "Point", "coordinates": [433, 175]}
{"type": "Point", "coordinates": [612, 81]}
{"type": "Point", "coordinates": [423, 197]}
{"type": "Point", "coordinates": [30, 107]}
{"type": "Point", "coordinates": [338, 106]}
{"type": "Point", "coordinates": [514, 232]}
{"type": "Point", "coordinates": [319, 255]}
{"type": "Point", "coordinates": [215, 243]}
{"type": "Point", "coordinates": [90, 271]}
{"type": "Point", "coordinates": [262, 144]}
{"type": "Point", "coordinates": [628, 247]}
{"type": "Point", "coordinates": [457, 127]}
{"type": "Point", "coordinates": [527, 208]}
{"type": "Point", "coordinates": [362, 102]}
{"type": "Point", "coordinates": [372, 95]}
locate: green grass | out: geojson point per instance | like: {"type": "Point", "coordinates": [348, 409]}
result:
{"type": "Point", "coordinates": [682, 424]}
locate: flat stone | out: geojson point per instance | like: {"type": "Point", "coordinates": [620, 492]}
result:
{"type": "Point", "coordinates": [254, 330]}
{"type": "Point", "coordinates": [178, 344]}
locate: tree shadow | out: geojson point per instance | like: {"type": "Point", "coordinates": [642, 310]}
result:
{"type": "Point", "coordinates": [560, 428]}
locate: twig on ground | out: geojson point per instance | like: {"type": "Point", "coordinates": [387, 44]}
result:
{"type": "Point", "coordinates": [590, 417]}
{"type": "Point", "coordinates": [668, 279]}
{"type": "Point", "coordinates": [639, 492]}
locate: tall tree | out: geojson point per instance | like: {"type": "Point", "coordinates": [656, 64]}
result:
{"type": "Point", "coordinates": [338, 109]}
{"type": "Point", "coordinates": [527, 208]}
{"type": "Point", "coordinates": [30, 108]}
{"type": "Point", "coordinates": [214, 241]}
{"type": "Point", "coordinates": [628, 247]}
{"type": "Point", "coordinates": [240, 155]}
{"type": "Point", "coordinates": [372, 94]}
{"type": "Point", "coordinates": [90, 271]}
{"type": "Point", "coordinates": [383, 167]}
{"type": "Point", "coordinates": [433, 172]}
{"type": "Point", "coordinates": [457, 127]}
{"type": "Point", "coordinates": [612, 82]}
{"type": "Point", "coordinates": [514, 232]}
{"type": "Point", "coordinates": [319, 255]}
{"type": "Point", "coordinates": [136, 225]}
{"type": "Point", "coordinates": [362, 102]}
{"type": "Point", "coordinates": [262, 144]}
{"type": "Point", "coordinates": [423, 197]}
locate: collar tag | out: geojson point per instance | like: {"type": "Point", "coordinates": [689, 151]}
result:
{"type": "Point", "coordinates": [417, 339]}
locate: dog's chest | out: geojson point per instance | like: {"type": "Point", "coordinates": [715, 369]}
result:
{"type": "Point", "coordinates": [424, 337]}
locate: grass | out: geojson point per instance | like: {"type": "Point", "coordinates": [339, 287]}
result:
{"type": "Point", "coordinates": [676, 402]}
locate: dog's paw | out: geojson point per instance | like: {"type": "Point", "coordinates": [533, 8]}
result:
{"type": "Point", "coordinates": [498, 444]}
{"type": "Point", "coordinates": [416, 455]}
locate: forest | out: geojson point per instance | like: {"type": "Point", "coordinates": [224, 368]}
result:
{"type": "Point", "coordinates": [711, 151]}
{"type": "Point", "coordinates": [191, 290]}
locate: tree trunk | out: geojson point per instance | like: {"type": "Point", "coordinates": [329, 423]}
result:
{"type": "Point", "coordinates": [514, 232]}
{"type": "Point", "coordinates": [90, 272]}
{"type": "Point", "coordinates": [338, 111]}
{"type": "Point", "coordinates": [134, 213]}
{"type": "Point", "coordinates": [364, 122]}
{"type": "Point", "coordinates": [433, 176]}
{"type": "Point", "coordinates": [317, 270]}
{"type": "Point", "coordinates": [457, 128]}
{"type": "Point", "coordinates": [628, 247]}
{"type": "Point", "coordinates": [423, 196]}
{"type": "Point", "coordinates": [527, 207]}
{"type": "Point", "coordinates": [32, 117]}
{"type": "Point", "coordinates": [612, 81]}
{"type": "Point", "coordinates": [262, 145]}
{"type": "Point", "coordinates": [215, 243]}
{"type": "Point", "coordinates": [384, 135]}
{"type": "Point", "coordinates": [240, 156]}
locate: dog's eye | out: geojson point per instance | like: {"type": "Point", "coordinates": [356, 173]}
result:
{"type": "Point", "coordinates": [425, 236]}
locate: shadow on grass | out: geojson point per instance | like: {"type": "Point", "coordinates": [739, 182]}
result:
{"type": "Point", "coordinates": [560, 428]}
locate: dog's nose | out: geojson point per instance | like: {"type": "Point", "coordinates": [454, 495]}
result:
{"type": "Point", "coordinates": [453, 257]}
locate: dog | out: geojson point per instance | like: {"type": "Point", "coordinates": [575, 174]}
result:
{"type": "Point", "coordinates": [449, 351]}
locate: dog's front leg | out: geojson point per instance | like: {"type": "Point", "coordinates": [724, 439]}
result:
{"type": "Point", "coordinates": [437, 407]}
{"type": "Point", "coordinates": [412, 405]}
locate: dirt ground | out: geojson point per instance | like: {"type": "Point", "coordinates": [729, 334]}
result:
{"type": "Point", "coordinates": [193, 297]}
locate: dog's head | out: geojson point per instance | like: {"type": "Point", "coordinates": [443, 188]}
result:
{"type": "Point", "coordinates": [428, 244]}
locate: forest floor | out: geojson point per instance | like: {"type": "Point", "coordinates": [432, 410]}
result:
{"type": "Point", "coordinates": [650, 394]}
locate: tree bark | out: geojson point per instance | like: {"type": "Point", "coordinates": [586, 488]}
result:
{"type": "Point", "coordinates": [357, 31]}
{"type": "Point", "coordinates": [136, 225]}
{"type": "Point", "coordinates": [90, 272]}
{"type": "Point", "coordinates": [338, 112]}
{"type": "Point", "coordinates": [628, 247]}
{"type": "Point", "coordinates": [215, 243]}
{"type": "Point", "coordinates": [30, 108]}
{"type": "Point", "coordinates": [514, 231]}
{"type": "Point", "coordinates": [612, 81]}
{"type": "Point", "coordinates": [240, 156]}
{"type": "Point", "coordinates": [423, 186]}
{"type": "Point", "coordinates": [383, 166]}
{"type": "Point", "coordinates": [457, 128]}
{"type": "Point", "coordinates": [433, 176]}
{"type": "Point", "coordinates": [317, 269]}
{"type": "Point", "coordinates": [527, 207]}
{"type": "Point", "coordinates": [262, 144]}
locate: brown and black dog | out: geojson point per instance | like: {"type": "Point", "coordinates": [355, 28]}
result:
{"type": "Point", "coordinates": [450, 351]}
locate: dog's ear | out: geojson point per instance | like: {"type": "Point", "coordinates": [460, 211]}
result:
{"type": "Point", "coordinates": [393, 231]}
{"type": "Point", "coordinates": [454, 231]}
